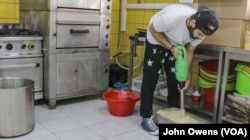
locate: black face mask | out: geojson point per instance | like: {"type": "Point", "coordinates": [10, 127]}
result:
{"type": "Point", "coordinates": [191, 32]}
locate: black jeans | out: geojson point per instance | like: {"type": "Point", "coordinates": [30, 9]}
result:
{"type": "Point", "coordinates": [155, 57]}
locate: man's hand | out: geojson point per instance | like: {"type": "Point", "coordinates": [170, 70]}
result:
{"type": "Point", "coordinates": [187, 83]}
{"type": "Point", "coordinates": [176, 52]}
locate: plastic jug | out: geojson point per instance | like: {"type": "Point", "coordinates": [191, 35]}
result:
{"type": "Point", "coordinates": [181, 66]}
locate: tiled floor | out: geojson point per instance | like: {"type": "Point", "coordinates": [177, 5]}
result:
{"type": "Point", "coordinates": [85, 118]}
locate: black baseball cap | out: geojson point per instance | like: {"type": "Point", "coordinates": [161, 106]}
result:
{"type": "Point", "coordinates": [206, 20]}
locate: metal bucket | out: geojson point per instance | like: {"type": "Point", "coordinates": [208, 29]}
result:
{"type": "Point", "coordinates": [17, 115]}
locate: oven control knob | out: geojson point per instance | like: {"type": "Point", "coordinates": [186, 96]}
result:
{"type": "Point", "coordinates": [9, 46]}
{"type": "Point", "coordinates": [31, 46]}
{"type": "Point", "coordinates": [108, 7]}
{"type": "Point", "coordinates": [107, 44]}
{"type": "Point", "coordinates": [0, 46]}
{"type": "Point", "coordinates": [107, 35]}
{"type": "Point", "coordinates": [23, 46]}
{"type": "Point", "coordinates": [108, 26]}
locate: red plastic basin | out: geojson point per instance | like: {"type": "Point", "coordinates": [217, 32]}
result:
{"type": "Point", "coordinates": [120, 102]}
{"type": "Point", "coordinates": [211, 66]}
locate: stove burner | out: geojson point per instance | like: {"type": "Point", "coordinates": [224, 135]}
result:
{"type": "Point", "coordinates": [18, 32]}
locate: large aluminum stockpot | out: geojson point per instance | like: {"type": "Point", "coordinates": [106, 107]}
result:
{"type": "Point", "coordinates": [17, 115]}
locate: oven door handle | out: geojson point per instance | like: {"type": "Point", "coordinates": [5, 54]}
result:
{"type": "Point", "coordinates": [72, 31]}
{"type": "Point", "coordinates": [20, 66]}
{"type": "Point", "coordinates": [72, 22]}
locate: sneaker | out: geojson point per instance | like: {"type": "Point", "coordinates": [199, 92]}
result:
{"type": "Point", "coordinates": [149, 126]}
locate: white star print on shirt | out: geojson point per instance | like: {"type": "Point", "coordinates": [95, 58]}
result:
{"type": "Point", "coordinates": [171, 58]}
{"type": "Point", "coordinates": [166, 54]}
{"type": "Point", "coordinates": [172, 69]}
{"type": "Point", "coordinates": [150, 63]}
{"type": "Point", "coordinates": [159, 72]}
{"type": "Point", "coordinates": [163, 60]}
{"type": "Point", "coordinates": [154, 51]}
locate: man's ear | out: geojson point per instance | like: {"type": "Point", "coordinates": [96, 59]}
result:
{"type": "Point", "coordinates": [192, 23]}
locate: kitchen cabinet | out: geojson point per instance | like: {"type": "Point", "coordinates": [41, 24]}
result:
{"type": "Point", "coordinates": [231, 53]}
{"type": "Point", "coordinates": [76, 74]}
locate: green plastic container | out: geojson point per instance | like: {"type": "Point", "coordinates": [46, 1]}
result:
{"type": "Point", "coordinates": [243, 79]}
{"type": "Point", "coordinates": [213, 76]}
{"type": "Point", "coordinates": [230, 86]}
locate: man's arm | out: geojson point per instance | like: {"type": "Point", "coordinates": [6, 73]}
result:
{"type": "Point", "coordinates": [162, 38]}
{"type": "Point", "coordinates": [190, 54]}
{"type": "Point", "coordinates": [159, 36]}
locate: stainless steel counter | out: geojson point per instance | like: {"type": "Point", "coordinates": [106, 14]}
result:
{"type": "Point", "coordinates": [205, 51]}
{"type": "Point", "coordinates": [231, 53]}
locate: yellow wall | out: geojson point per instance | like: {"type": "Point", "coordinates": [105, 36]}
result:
{"type": "Point", "coordinates": [9, 11]}
{"type": "Point", "coordinates": [135, 19]}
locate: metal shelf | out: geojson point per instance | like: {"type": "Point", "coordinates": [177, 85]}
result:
{"type": "Point", "coordinates": [134, 42]}
{"type": "Point", "coordinates": [231, 53]}
{"type": "Point", "coordinates": [230, 120]}
{"type": "Point", "coordinates": [206, 51]}
{"type": "Point", "coordinates": [200, 107]}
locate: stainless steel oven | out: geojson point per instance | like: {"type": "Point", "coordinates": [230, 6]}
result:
{"type": "Point", "coordinates": [76, 45]}
{"type": "Point", "coordinates": [78, 29]}
{"type": "Point", "coordinates": [21, 56]}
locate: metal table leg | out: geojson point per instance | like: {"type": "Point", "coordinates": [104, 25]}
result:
{"type": "Point", "coordinates": [133, 40]}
